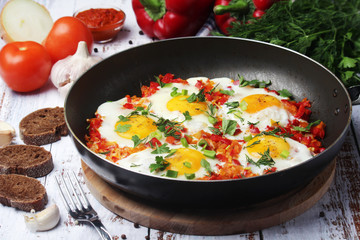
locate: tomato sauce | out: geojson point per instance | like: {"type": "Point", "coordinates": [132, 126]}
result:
{"type": "Point", "coordinates": [104, 23]}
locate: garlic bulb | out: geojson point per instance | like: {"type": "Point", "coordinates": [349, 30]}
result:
{"type": "Point", "coordinates": [66, 71]}
{"type": "Point", "coordinates": [7, 133]}
{"type": "Point", "coordinates": [44, 220]}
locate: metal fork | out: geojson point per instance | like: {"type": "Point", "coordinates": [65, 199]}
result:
{"type": "Point", "coordinates": [80, 209]}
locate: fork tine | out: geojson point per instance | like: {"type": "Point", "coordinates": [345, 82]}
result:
{"type": "Point", "coordinates": [80, 205]}
{"type": "Point", "coordinates": [69, 194]}
{"type": "Point", "coordinates": [82, 194]}
{"type": "Point", "coordinates": [62, 195]}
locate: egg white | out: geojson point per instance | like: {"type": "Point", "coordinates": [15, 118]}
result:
{"type": "Point", "coordinates": [298, 153]}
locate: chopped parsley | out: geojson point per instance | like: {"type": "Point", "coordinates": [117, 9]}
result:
{"type": "Point", "coordinates": [285, 93]}
{"type": "Point", "coordinates": [122, 128]}
{"type": "Point", "coordinates": [160, 165]}
{"type": "Point", "coordinates": [229, 126]}
{"type": "Point", "coordinates": [136, 139]}
{"type": "Point", "coordinates": [161, 149]}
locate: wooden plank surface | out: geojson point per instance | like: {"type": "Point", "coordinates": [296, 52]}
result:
{"type": "Point", "coordinates": [335, 216]}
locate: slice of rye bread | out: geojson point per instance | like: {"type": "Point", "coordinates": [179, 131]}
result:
{"type": "Point", "coordinates": [43, 126]}
{"type": "Point", "coordinates": [22, 192]}
{"type": "Point", "coordinates": [29, 160]}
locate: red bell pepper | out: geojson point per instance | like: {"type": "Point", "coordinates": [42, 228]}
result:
{"type": "Point", "coordinates": [171, 18]}
{"type": "Point", "coordinates": [229, 11]}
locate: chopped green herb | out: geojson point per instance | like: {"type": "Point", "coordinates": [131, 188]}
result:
{"type": "Point", "coordinates": [157, 134]}
{"type": "Point", "coordinates": [232, 104]}
{"type": "Point", "coordinates": [187, 116]}
{"type": "Point", "coordinates": [209, 153]}
{"type": "Point", "coordinates": [172, 152]}
{"type": "Point", "coordinates": [265, 159]}
{"type": "Point", "coordinates": [189, 176]}
{"type": "Point", "coordinates": [160, 164]}
{"type": "Point", "coordinates": [191, 98]}
{"type": "Point", "coordinates": [187, 164]}
{"type": "Point", "coordinates": [104, 152]}
{"type": "Point", "coordinates": [215, 131]}
{"type": "Point", "coordinates": [203, 143]}
{"type": "Point", "coordinates": [162, 84]}
{"type": "Point", "coordinates": [308, 127]}
{"type": "Point", "coordinates": [284, 154]}
{"type": "Point", "coordinates": [229, 126]}
{"type": "Point", "coordinates": [248, 138]}
{"type": "Point", "coordinates": [174, 92]}
{"type": "Point", "coordinates": [227, 92]}
{"type": "Point", "coordinates": [136, 139]}
{"type": "Point", "coordinates": [253, 144]}
{"type": "Point", "coordinates": [243, 105]}
{"type": "Point", "coordinates": [205, 164]}
{"type": "Point", "coordinates": [250, 123]}
{"type": "Point", "coordinates": [184, 142]}
{"type": "Point", "coordinates": [161, 149]}
{"type": "Point", "coordinates": [171, 173]}
{"type": "Point", "coordinates": [122, 128]}
{"type": "Point", "coordinates": [200, 97]}
{"type": "Point", "coordinates": [135, 165]}
{"type": "Point", "coordinates": [254, 83]}
{"type": "Point", "coordinates": [123, 119]}
{"type": "Point", "coordinates": [184, 92]}
{"type": "Point", "coordinates": [285, 93]}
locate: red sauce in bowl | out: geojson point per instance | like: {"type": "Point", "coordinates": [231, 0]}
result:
{"type": "Point", "coordinates": [104, 23]}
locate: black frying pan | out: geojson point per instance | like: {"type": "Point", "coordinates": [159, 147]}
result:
{"type": "Point", "coordinates": [211, 57]}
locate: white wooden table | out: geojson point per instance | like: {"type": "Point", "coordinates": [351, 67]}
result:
{"type": "Point", "coordinates": [335, 216]}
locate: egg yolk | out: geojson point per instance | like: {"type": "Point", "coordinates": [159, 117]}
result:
{"type": "Point", "coordinates": [185, 160]}
{"type": "Point", "coordinates": [136, 125]}
{"type": "Point", "coordinates": [179, 103]}
{"type": "Point", "coordinates": [258, 102]}
{"type": "Point", "coordinates": [260, 144]}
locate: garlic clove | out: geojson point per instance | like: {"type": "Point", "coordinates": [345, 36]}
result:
{"type": "Point", "coordinates": [7, 133]}
{"type": "Point", "coordinates": [44, 220]}
{"type": "Point", "coordinates": [66, 71]}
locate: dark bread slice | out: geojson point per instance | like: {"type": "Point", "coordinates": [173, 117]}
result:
{"type": "Point", "coordinates": [21, 192]}
{"type": "Point", "coordinates": [43, 126]}
{"type": "Point", "coordinates": [29, 160]}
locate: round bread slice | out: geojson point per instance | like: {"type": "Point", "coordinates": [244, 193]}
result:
{"type": "Point", "coordinates": [22, 192]}
{"type": "Point", "coordinates": [43, 126]}
{"type": "Point", "coordinates": [29, 160]}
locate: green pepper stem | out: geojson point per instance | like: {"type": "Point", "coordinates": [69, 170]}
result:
{"type": "Point", "coordinates": [240, 7]}
{"type": "Point", "coordinates": [155, 8]}
{"type": "Point", "coordinates": [151, 4]}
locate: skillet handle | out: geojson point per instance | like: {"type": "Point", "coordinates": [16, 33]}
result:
{"type": "Point", "coordinates": [354, 92]}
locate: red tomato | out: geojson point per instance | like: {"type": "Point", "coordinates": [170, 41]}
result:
{"type": "Point", "coordinates": [263, 4]}
{"type": "Point", "coordinates": [64, 37]}
{"type": "Point", "coordinates": [24, 66]}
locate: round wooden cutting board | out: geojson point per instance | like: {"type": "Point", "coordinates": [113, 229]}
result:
{"type": "Point", "coordinates": [209, 221]}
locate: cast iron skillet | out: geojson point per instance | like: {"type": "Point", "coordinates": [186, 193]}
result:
{"type": "Point", "coordinates": [211, 57]}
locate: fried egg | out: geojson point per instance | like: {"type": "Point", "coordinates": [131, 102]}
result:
{"type": "Point", "coordinates": [173, 107]}
{"type": "Point", "coordinates": [113, 129]}
{"type": "Point", "coordinates": [185, 161]}
{"type": "Point", "coordinates": [285, 152]}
